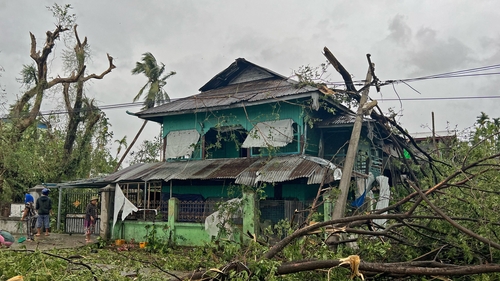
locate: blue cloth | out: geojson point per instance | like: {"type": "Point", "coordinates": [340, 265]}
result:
{"type": "Point", "coordinates": [359, 201]}
{"type": "Point", "coordinates": [28, 198]}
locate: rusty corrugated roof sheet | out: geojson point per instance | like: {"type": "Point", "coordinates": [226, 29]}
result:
{"type": "Point", "coordinates": [247, 171]}
{"type": "Point", "coordinates": [231, 96]}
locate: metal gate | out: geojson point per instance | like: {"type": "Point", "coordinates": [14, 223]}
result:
{"type": "Point", "coordinates": [73, 209]}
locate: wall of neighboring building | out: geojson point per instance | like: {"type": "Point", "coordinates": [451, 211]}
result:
{"type": "Point", "coordinates": [13, 225]}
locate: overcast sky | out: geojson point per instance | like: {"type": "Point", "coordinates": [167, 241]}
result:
{"type": "Point", "coordinates": [198, 39]}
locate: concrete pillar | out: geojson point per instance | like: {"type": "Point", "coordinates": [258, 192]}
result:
{"type": "Point", "coordinates": [173, 214]}
{"type": "Point", "coordinates": [327, 207]}
{"type": "Point", "coordinates": [107, 199]}
{"type": "Point", "coordinates": [250, 214]}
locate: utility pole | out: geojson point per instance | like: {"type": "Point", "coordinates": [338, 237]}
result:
{"type": "Point", "coordinates": [345, 180]}
{"type": "Point", "coordinates": [350, 158]}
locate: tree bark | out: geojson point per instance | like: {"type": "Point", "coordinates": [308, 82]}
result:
{"type": "Point", "coordinates": [424, 268]}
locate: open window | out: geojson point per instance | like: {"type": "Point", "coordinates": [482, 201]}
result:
{"type": "Point", "coordinates": [225, 142]}
{"type": "Point", "coordinates": [181, 144]}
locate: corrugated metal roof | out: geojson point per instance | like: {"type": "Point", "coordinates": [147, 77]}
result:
{"type": "Point", "coordinates": [247, 171]}
{"type": "Point", "coordinates": [231, 95]}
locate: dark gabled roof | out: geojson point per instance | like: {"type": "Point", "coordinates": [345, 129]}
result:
{"type": "Point", "coordinates": [241, 84]}
{"type": "Point", "coordinates": [225, 77]}
{"type": "Point", "coordinates": [247, 171]}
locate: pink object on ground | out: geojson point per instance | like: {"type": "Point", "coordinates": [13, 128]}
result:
{"type": "Point", "coordinates": [4, 243]}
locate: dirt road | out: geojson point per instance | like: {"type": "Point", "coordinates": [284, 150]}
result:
{"type": "Point", "coordinates": [53, 241]}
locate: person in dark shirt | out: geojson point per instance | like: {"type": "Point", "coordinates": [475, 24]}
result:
{"type": "Point", "coordinates": [44, 208]}
{"type": "Point", "coordinates": [90, 218]}
{"type": "Point", "coordinates": [29, 215]}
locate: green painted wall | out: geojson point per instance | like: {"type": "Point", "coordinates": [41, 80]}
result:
{"type": "Point", "coordinates": [186, 234]}
{"type": "Point", "coordinates": [303, 192]}
{"type": "Point", "coordinates": [246, 117]}
{"type": "Point", "coordinates": [313, 136]}
{"type": "Point", "coordinates": [300, 191]}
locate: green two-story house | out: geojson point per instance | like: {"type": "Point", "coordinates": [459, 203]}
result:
{"type": "Point", "coordinates": [252, 135]}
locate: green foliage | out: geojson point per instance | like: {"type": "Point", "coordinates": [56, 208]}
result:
{"type": "Point", "coordinates": [158, 239]}
{"type": "Point", "coordinates": [33, 154]}
{"type": "Point", "coordinates": [28, 75]}
{"type": "Point", "coordinates": [153, 71]}
{"type": "Point", "coordinates": [148, 152]}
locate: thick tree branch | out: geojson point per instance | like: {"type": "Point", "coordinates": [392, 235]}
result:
{"type": "Point", "coordinates": [421, 268]}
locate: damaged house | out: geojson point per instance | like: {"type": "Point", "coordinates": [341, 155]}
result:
{"type": "Point", "coordinates": [252, 140]}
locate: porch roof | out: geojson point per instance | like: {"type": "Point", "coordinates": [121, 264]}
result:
{"type": "Point", "coordinates": [247, 171]}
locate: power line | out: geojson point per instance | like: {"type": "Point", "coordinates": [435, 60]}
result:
{"type": "Point", "coordinates": [441, 98]}
{"type": "Point", "coordinates": [471, 72]}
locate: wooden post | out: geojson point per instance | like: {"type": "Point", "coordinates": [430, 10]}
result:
{"type": "Point", "coordinates": [345, 180]}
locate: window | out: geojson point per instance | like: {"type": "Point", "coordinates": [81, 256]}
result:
{"type": "Point", "coordinates": [225, 142]}
{"type": "Point", "coordinates": [277, 133]}
{"type": "Point", "coordinates": [181, 143]}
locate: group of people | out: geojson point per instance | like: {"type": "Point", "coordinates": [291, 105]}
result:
{"type": "Point", "coordinates": [37, 215]}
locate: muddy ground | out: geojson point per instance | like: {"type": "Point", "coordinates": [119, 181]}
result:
{"type": "Point", "coordinates": [53, 241]}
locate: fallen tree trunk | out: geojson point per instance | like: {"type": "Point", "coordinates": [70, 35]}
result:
{"type": "Point", "coordinates": [416, 268]}
{"type": "Point", "coordinates": [421, 268]}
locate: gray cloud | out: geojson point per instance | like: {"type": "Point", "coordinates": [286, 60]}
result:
{"type": "Point", "coordinates": [399, 30]}
{"type": "Point", "coordinates": [432, 55]}
{"type": "Point", "coordinates": [198, 39]}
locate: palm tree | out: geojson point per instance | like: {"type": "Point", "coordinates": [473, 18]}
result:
{"type": "Point", "coordinates": [155, 94]}
{"type": "Point", "coordinates": [121, 143]}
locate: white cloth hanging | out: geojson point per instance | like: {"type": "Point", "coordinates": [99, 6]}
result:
{"type": "Point", "coordinates": [276, 133]}
{"type": "Point", "coordinates": [217, 220]}
{"type": "Point", "coordinates": [122, 204]}
{"type": "Point", "coordinates": [383, 197]}
{"type": "Point", "coordinates": [181, 143]}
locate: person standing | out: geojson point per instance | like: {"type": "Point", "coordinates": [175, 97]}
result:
{"type": "Point", "coordinates": [90, 218]}
{"type": "Point", "coordinates": [44, 208]}
{"type": "Point", "coordinates": [30, 215]}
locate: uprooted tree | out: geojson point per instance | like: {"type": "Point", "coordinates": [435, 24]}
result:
{"type": "Point", "coordinates": [442, 222]}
